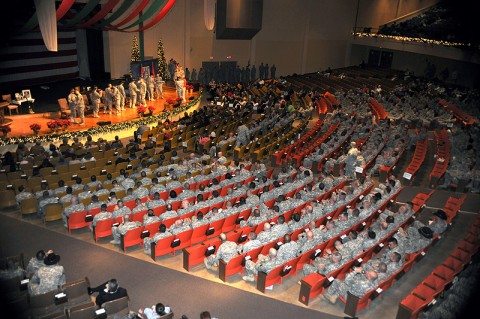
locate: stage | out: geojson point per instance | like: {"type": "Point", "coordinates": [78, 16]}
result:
{"type": "Point", "coordinates": [21, 123]}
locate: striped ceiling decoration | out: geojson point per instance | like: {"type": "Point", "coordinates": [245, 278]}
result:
{"type": "Point", "coordinates": [106, 15]}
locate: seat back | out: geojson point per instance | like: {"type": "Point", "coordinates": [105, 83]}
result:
{"type": "Point", "coordinates": [76, 291]}
{"type": "Point", "coordinates": [83, 311]}
{"type": "Point", "coordinates": [131, 238]}
{"type": "Point", "coordinates": [116, 307]}
{"type": "Point", "coordinates": [53, 212]}
{"type": "Point", "coordinates": [77, 220]}
{"type": "Point", "coordinates": [162, 247]}
{"type": "Point", "coordinates": [7, 199]}
{"type": "Point", "coordinates": [185, 240]}
{"type": "Point", "coordinates": [103, 228]}
{"type": "Point", "coordinates": [44, 303]}
{"type": "Point", "coordinates": [198, 234]}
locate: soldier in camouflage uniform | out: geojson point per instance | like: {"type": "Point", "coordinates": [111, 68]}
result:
{"type": "Point", "coordinates": [266, 235]}
{"type": "Point", "coordinates": [35, 263]}
{"type": "Point", "coordinates": [103, 215]}
{"type": "Point", "coordinates": [23, 194]}
{"type": "Point", "coordinates": [121, 210]}
{"type": "Point", "coordinates": [324, 265]}
{"type": "Point", "coordinates": [264, 264]}
{"type": "Point", "coordinates": [226, 251]}
{"type": "Point", "coordinates": [251, 244]}
{"type": "Point", "coordinates": [288, 250]}
{"type": "Point", "coordinates": [122, 229]}
{"type": "Point", "coordinates": [357, 282]}
{"type": "Point", "coordinates": [147, 241]}
{"type": "Point", "coordinates": [180, 226]}
{"type": "Point", "coordinates": [47, 278]}
{"type": "Point", "coordinates": [12, 270]}
{"type": "Point", "coordinates": [73, 208]}
{"type": "Point", "coordinates": [150, 218]}
{"type": "Point", "coordinates": [281, 228]}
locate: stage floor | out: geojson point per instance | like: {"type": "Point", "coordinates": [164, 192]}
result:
{"type": "Point", "coordinates": [21, 123]}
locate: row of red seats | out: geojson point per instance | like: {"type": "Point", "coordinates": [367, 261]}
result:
{"type": "Point", "coordinates": [417, 160]}
{"type": "Point", "coordinates": [354, 304]}
{"type": "Point", "coordinates": [461, 116]}
{"type": "Point", "coordinates": [442, 156]}
{"type": "Point", "coordinates": [384, 171]}
{"type": "Point", "coordinates": [191, 254]}
{"type": "Point", "coordinates": [285, 152]}
{"type": "Point", "coordinates": [315, 284]}
{"type": "Point", "coordinates": [377, 109]}
{"type": "Point", "coordinates": [199, 234]}
{"type": "Point", "coordinates": [422, 297]}
{"type": "Point", "coordinates": [291, 267]}
{"type": "Point", "coordinates": [299, 156]}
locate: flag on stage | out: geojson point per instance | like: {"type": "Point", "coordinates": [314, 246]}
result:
{"type": "Point", "coordinates": [141, 71]}
{"type": "Point", "coordinates": [153, 70]}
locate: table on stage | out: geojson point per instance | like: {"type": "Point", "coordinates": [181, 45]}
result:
{"type": "Point", "coordinates": [28, 101]}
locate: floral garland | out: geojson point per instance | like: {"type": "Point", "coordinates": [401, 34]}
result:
{"type": "Point", "coordinates": [101, 129]}
{"type": "Point", "coordinates": [413, 39]}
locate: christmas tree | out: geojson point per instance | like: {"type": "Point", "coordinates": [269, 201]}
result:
{"type": "Point", "coordinates": [135, 50]}
{"type": "Point", "coordinates": [162, 63]}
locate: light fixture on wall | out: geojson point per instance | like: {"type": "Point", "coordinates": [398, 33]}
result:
{"type": "Point", "coordinates": [209, 13]}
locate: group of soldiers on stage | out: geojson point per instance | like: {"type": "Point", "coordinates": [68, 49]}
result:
{"type": "Point", "coordinates": [114, 97]}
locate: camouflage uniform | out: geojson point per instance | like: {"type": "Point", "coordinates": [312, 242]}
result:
{"type": "Point", "coordinates": [33, 265]}
{"type": "Point", "coordinates": [121, 212]}
{"type": "Point", "coordinates": [356, 283]}
{"type": "Point", "coordinates": [248, 246]}
{"type": "Point", "coordinates": [225, 252]}
{"type": "Point", "coordinates": [140, 192]}
{"type": "Point", "coordinates": [122, 230]}
{"type": "Point", "coordinates": [147, 241]}
{"type": "Point", "coordinates": [287, 251]}
{"type": "Point", "coordinates": [71, 209]}
{"type": "Point", "coordinates": [150, 219]}
{"type": "Point", "coordinates": [46, 279]}
{"type": "Point", "coordinates": [12, 273]}
{"type": "Point", "coordinates": [264, 264]}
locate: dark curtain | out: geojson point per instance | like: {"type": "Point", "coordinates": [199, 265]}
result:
{"type": "Point", "coordinates": [96, 61]}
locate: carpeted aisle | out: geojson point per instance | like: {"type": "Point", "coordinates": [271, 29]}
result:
{"type": "Point", "coordinates": [147, 283]}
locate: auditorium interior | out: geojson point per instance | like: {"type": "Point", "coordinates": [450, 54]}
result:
{"type": "Point", "coordinates": [393, 84]}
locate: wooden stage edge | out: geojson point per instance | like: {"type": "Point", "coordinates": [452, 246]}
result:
{"type": "Point", "coordinates": [21, 123]}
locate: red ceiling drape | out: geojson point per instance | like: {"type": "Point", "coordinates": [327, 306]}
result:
{"type": "Point", "coordinates": [100, 14]}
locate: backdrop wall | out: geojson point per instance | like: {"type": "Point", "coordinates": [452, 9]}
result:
{"type": "Point", "coordinates": [296, 36]}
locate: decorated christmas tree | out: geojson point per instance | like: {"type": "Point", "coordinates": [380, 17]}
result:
{"type": "Point", "coordinates": [162, 63]}
{"type": "Point", "coordinates": [135, 50]}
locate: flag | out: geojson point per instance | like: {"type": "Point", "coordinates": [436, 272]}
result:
{"type": "Point", "coordinates": [153, 70]}
{"type": "Point", "coordinates": [141, 71]}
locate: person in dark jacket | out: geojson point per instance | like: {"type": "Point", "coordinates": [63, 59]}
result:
{"type": "Point", "coordinates": [108, 291]}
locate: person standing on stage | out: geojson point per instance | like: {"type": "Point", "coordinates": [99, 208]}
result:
{"type": "Point", "coordinates": [142, 86]}
{"type": "Point", "coordinates": [108, 99]}
{"type": "Point", "coordinates": [96, 97]}
{"type": "Point", "coordinates": [150, 87]}
{"type": "Point", "coordinates": [180, 82]}
{"type": "Point", "coordinates": [159, 86]}
{"type": "Point", "coordinates": [133, 90]}
{"type": "Point", "coordinates": [80, 105]}
{"type": "Point", "coordinates": [72, 104]}
{"type": "Point", "coordinates": [116, 100]}
{"type": "Point", "coordinates": [121, 90]}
